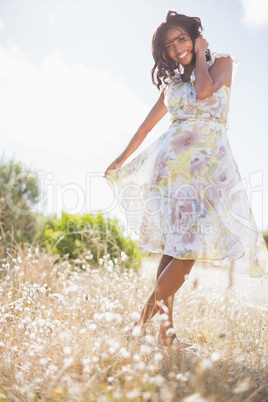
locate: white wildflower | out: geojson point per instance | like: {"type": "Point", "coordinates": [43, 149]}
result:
{"type": "Point", "coordinates": [71, 289]}
{"type": "Point", "coordinates": [124, 257]}
{"type": "Point", "coordinates": [145, 350]}
{"type": "Point", "coordinates": [111, 350]}
{"type": "Point", "coordinates": [149, 339]}
{"type": "Point", "coordinates": [206, 364]}
{"type": "Point", "coordinates": [158, 356]}
{"type": "Point", "coordinates": [158, 380]}
{"type": "Point", "coordinates": [135, 315]}
{"type": "Point", "coordinates": [194, 398]}
{"type": "Point", "coordinates": [242, 386]}
{"type": "Point", "coordinates": [166, 394]}
{"type": "Point", "coordinates": [136, 331]}
{"type": "Point", "coordinates": [140, 365]}
{"type": "Point", "coordinates": [240, 359]}
{"type": "Point", "coordinates": [136, 358]}
{"type": "Point", "coordinates": [67, 362]}
{"type": "Point", "coordinates": [215, 356]}
{"type": "Point", "coordinates": [67, 350]}
{"type": "Point", "coordinates": [135, 393]}
{"type": "Point", "coordinates": [65, 336]}
{"type": "Point", "coordinates": [92, 327]}
{"type": "Point", "coordinates": [124, 353]}
{"type": "Point", "coordinates": [146, 396]}
{"type": "Point", "coordinates": [181, 377]}
{"type": "Point", "coordinates": [117, 394]}
{"type": "Point", "coordinates": [163, 317]}
{"type": "Point", "coordinates": [170, 331]}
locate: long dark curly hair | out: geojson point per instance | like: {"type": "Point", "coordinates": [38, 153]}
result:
{"type": "Point", "coordinates": [165, 68]}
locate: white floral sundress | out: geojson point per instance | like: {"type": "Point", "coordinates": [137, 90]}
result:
{"type": "Point", "coordinates": [183, 195]}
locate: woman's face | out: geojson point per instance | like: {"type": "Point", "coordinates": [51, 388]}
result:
{"type": "Point", "coordinates": [179, 45]}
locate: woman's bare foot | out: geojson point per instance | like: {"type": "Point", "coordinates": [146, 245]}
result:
{"type": "Point", "coordinates": [169, 337]}
{"type": "Point", "coordinates": [166, 340]}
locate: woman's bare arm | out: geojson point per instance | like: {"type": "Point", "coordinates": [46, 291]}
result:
{"type": "Point", "coordinates": [209, 80]}
{"type": "Point", "coordinates": [154, 116]}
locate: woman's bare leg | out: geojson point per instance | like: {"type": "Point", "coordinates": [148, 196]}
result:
{"type": "Point", "coordinates": [169, 281]}
{"type": "Point", "coordinates": [168, 308]}
{"type": "Point", "coordinates": [165, 324]}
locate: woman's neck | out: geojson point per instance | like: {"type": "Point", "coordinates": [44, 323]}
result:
{"type": "Point", "coordinates": [188, 69]}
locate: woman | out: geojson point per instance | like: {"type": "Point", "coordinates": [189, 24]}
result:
{"type": "Point", "coordinates": [182, 195]}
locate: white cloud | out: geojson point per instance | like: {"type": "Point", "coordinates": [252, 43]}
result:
{"type": "Point", "coordinates": [256, 12]}
{"type": "Point", "coordinates": [67, 108]}
{"type": "Point", "coordinates": [1, 24]}
{"type": "Point", "coordinates": [67, 119]}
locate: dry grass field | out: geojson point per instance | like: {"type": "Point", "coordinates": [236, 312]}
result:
{"type": "Point", "coordinates": [61, 337]}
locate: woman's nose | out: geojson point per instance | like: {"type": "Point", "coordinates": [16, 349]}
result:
{"type": "Point", "coordinates": [177, 47]}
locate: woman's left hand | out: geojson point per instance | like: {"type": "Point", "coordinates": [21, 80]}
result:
{"type": "Point", "coordinates": [201, 44]}
{"type": "Point", "coordinates": [114, 165]}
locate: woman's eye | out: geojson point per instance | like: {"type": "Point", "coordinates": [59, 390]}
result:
{"type": "Point", "coordinates": [182, 39]}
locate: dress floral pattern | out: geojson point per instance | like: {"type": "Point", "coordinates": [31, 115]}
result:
{"type": "Point", "coordinates": [183, 195]}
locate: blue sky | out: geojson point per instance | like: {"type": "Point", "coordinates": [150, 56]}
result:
{"type": "Point", "coordinates": [75, 85]}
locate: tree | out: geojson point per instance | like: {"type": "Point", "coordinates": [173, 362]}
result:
{"type": "Point", "coordinates": [18, 196]}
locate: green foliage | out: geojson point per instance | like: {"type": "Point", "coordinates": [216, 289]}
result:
{"type": "Point", "coordinates": [18, 195]}
{"type": "Point", "coordinates": [70, 235]}
{"type": "Point", "coordinates": [77, 235]}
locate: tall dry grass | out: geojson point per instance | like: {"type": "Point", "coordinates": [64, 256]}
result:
{"type": "Point", "coordinates": [62, 340]}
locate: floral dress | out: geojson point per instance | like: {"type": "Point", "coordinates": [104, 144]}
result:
{"type": "Point", "coordinates": [183, 195]}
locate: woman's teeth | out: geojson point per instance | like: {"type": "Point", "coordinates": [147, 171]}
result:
{"type": "Point", "coordinates": [183, 55]}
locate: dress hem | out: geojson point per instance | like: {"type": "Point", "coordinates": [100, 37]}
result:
{"type": "Point", "coordinates": [196, 259]}
{"type": "Point", "coordinates": [217, 261]}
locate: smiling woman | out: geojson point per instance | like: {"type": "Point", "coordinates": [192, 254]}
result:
{"type": "Point", "coordinates": [183, 194]}
{"type": "Point", "coordinates": [170, 42]}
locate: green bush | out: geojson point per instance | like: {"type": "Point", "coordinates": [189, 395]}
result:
{"type": "Point", "coordinates": [75, 236]}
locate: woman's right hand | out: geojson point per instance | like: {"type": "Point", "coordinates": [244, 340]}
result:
{"type": "Point", "coordinates": [114, 165]}
{"type": "Point", "coordinates": [201, 44]}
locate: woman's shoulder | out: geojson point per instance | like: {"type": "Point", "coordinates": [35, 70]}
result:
{"type": "Point", "coordinates": [218, 55]}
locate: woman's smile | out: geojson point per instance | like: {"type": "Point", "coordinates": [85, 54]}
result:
{"type": "Point", "coordinates": [182, 55]}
